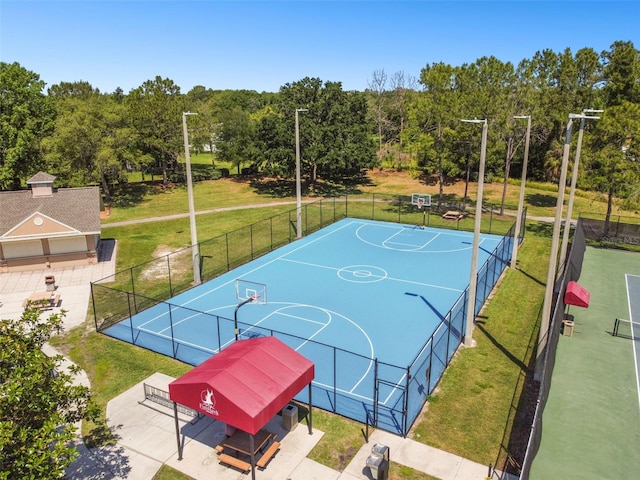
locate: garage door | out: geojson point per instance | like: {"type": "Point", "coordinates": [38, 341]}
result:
{"type": "Point", "coordinates": [67, 245]}
{"type": "Point", "coordinates": [29, 248]}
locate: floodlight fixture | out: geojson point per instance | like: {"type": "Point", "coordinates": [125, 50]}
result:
{"type": "Point", "coordinates": [574, 179]}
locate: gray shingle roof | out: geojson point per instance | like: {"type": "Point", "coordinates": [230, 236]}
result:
{"type": "Point", "coordinates": [41, 177]}
{"type": "Point", "coordinates": [78, 208]}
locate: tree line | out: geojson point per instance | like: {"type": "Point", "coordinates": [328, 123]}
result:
{"type": "Point", "coordinates": [83, 136]}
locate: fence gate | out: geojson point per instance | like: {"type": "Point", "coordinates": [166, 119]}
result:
{"type": "Point", "coordinates": [390, 406]}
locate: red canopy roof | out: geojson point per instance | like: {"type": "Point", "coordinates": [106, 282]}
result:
{"type": "Point", "coordinates": [576, 295]}
{"type": "Point", "coordinates": [246, 384]}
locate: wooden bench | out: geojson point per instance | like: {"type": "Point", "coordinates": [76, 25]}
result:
{"type": "Point", "coordinates": [234, 462]}
{"type": "Point", "coordinates": [42, 301]}
{"type": "Point", "coordinates": [219, 448]}
{"type": "Point", "coordinates": [39, 304]}
{"type": "Point", "coordinates": [270, 452]}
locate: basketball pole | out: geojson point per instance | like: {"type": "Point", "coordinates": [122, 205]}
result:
{"type": "Point", "coordinates": [235, 315]}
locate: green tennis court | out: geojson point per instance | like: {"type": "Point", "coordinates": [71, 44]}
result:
{"type": "Point", "coordinates": [591, 423]}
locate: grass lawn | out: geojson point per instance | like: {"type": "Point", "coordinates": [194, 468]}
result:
{"type": "Point", "coordinates": [143, 200]}
{"type": "Point", "coordinates": [471, 414]}
{"type": "Point", "coordinates": [471, 409]}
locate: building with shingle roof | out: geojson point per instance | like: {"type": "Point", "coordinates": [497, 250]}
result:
{"type": "Point", "coordinates": [46, 227]}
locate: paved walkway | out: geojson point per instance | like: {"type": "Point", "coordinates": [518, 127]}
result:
{"type": "Point", "coordinates": [199, 212]}
{"type": "Point", "coordinates": [145, 432]}
{"type": "Point", "coordinates": [146, 439]}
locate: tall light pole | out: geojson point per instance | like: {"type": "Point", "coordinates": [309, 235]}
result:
{"type": "Point", "coordinates": [192, 211]}
{"type": "Point", "coordinates": [574, 179]}
{"type": "Point", "coordinates": [298, 188]}
{"type": "Point", "coordinates": [516, 234]}
{"type": "Point", "coordinates": [473, 278]}
{"type": "Point", "coordinates": [553, 257]}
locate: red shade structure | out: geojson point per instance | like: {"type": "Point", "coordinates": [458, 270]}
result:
{"type": "Point", "coordinates": [246, 384]}
{"type": "Point", "coordinates": [576, 295]}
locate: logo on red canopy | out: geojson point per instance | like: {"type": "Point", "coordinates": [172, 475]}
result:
{"type": "Point", "coordinates": [208, 402]}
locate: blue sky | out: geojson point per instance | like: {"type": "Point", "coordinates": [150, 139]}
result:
{"type": "Point", "coordinates": [262, 45]}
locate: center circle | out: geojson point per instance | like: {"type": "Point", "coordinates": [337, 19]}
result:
{"type": "Point", "coordinates": [362, 274]}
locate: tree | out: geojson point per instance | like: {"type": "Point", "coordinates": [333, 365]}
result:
{"type": "Point", "coordinates": [92, 142]}
{"type": "Point", "coordinates": [26, 117]}
{"type": "Point", "coordinates": [335, 133]}
{"type": "Point", "coordinates": [82, 90]}
{"type": "Point", "coordinates": [156, 111]}
{"type": "Point", "coordinates": [622, 73]}
{"type": "Point", "coordinates": [437, 113]}
{"type": "Point", "coordinates": [489, 95]}
{"type": "Point", "coordinates": [613, 166]}
{"type": "Point", "coordinates": [39, 404]}
{"type": "Point", "coordinates": [378, 87]}
{"type": "Point", "coordinates": [237, 138]}
{"type": "Point", "coordinates": [403, 86]}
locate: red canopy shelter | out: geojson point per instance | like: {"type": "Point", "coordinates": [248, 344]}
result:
{"type": "Point", "coordinates": [576, 295]}
{"type": "Point", "coordinates": [246, 384]}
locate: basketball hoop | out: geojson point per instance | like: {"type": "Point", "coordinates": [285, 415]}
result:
{"type": "Point", "coordinates": [248, 292]}
{"type": "Point", "coordinates": [421, 200]}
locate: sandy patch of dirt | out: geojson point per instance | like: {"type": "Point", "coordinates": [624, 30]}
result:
{"type": "Point", "coordinates": [178, 260]}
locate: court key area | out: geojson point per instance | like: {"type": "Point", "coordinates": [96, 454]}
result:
{"type": "Point", "coordinates": [378, 307]}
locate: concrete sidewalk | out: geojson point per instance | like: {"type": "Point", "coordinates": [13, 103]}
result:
{"type": "Point", "coordinates": [146, 439]}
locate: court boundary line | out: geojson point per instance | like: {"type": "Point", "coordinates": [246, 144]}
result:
{"type": "Point", "coordinates": [633, 338]}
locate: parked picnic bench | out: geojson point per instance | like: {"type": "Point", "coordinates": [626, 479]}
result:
{"type": "Point", "coordinates": [41, 300]}
{"type": "Point", "coordinates": [269, 452]}
{"type": "Point", "coordinates": [234, 462]}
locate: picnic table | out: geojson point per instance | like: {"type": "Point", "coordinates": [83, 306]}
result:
{"type": "Point", "coordinates": [240, 442]}
{"type": "Point", "coordinates": [42, 300]}
{"type": "Point", "coordinates": [453, 215]}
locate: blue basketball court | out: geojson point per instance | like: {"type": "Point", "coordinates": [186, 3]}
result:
{"type": "Point", "coordinates": [361, 299]}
